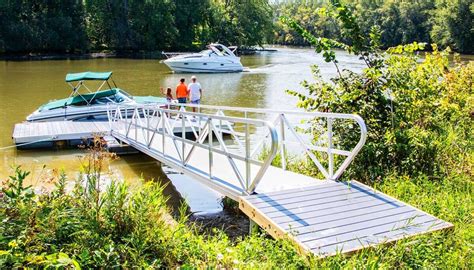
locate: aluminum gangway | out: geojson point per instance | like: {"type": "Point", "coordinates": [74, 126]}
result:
{"type": "Point", "coordinates": [234, 151]}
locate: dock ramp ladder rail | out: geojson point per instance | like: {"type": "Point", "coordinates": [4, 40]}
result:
{"type": "Point", "coordinates": [244, 153]}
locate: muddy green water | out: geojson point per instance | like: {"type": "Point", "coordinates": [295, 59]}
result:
{"type": "Point", "coordinates": [24, 86]}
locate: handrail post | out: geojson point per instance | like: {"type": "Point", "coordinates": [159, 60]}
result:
{"type": "Point", "coordinates": [247, 157]}
{"type": "Point", "coordinates": [209, 141]}
{"type": "Point", "coordinates": [126, 118]}
{"type": "Point", "coordinates": [282, 141]}
{"type": "Point", "coordinates": [199, 122]}
{"type": "Point", "coordinates": [109, 118]}
{"type": "Point", "coordinates": [268, 160]}
{"type": "Point", "coordinates": [148, 127]}
{"type": "Point", "coordinates": [183, 135]}
{"type": "Point", "coordinates": [136, 123]}
{"type": "Point", "coordinates": [330, 147]}
{"type": "Point", "coordinates": [163, 115]}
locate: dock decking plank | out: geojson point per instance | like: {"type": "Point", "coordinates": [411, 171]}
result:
{"type": "Point", "coordinates": [337, 220]}
{"type": "Point", "coordinates": [333, 227]}
{"type": "Point", "coordinates": [341, 206]}
{"type": "Point", "coordinates": [358, 233]}
{"type": "Point", "coordinates": [57, 130]}
{"type": "Point", "coordinates": [380, 238]}
{"type": "Point", "coordinates": [308, 196]}
{"type": "Point", "coordinates": [333, 214]}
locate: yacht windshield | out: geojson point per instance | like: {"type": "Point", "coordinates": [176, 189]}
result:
{"type": "Point", "coordinates": [119, 97]}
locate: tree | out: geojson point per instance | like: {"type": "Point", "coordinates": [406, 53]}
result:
{"type": "Point", "coordinates": [189, 18]}
{"type": "Point", "coordinates": [453, 25]}
{"type": "Point", "coordinates": [42, 26]}
{"type": "Point", "coordinates": [239, 22]}
{"type": "Point", "coordinates": [131, 24]}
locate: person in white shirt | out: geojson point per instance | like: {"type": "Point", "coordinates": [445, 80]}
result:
{"type": "Point", "coordinates": [195, 92]}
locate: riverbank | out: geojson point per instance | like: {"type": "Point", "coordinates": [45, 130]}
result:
{"type": "Point", "coordinates": [81, 56]}
{"type": "Point", "coordinates": [158, 55]}
{"type": "Point", "coordinates": [123, 226]}
{"type": "Point", "coordinates": [110, 54]}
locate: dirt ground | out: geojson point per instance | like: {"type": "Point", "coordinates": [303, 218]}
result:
{"type": "Point", "coordinates": [233, 224]}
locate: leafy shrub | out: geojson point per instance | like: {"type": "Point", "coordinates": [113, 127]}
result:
{"type": "Point", "coordinates": [415, 107]}
{"type": "Point", "coordinates": [98, 225]}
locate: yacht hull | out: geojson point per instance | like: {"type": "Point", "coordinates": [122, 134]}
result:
{"type": "Point", "coordinates": [216, 59]}
{"type": "Point", "coordinates": [203, 67]}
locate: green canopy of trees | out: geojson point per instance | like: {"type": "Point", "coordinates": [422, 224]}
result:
{"type": "Point", "coordinates": [130, 25]}
{"type": "Point", "coordinates": [76, 26]}
{"type": "Point", "coordinates": [444, 22]}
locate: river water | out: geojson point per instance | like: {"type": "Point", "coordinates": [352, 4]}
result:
{"type": "Point", "coordinates": [26, 85]}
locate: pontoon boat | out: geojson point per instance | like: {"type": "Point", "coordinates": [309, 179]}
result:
{"type": "Point", "coordinates": [88, 105]}
{"type": "Point", "coordinates": [217, 58]}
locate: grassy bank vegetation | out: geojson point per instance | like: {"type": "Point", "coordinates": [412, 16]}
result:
{"type": "Point", "coordinates": [93, 226]}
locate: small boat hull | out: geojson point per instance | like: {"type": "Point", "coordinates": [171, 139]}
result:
{"type": "Point", "coordinates": [203, 67]}
{"type": "Point", "coordinates": [96, 112]}
{"type": "Point", "coordinates": [63, 114]}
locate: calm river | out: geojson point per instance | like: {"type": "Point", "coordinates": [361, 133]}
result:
{"type": "Point", "coordinates": [24, 86]}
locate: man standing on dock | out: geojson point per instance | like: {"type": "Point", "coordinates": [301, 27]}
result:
{"type": "Point", "coordinates": [182, 91]}
{"type": "Point", "coordinates": [195, 92]}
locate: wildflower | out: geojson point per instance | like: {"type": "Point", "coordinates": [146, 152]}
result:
{"type": "Point", "coordinates": [13, 244]}
{"type": "Point", "coordinates": [235, 261]}
{"type": "Point", "coordinates": [220, 256]}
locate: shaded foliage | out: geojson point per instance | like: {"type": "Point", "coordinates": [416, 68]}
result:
{"type": "Point", "coordinates": [444, 22]}
{"type": "Point", "coordinates": [42, 26]}
{"type": "Point", "coordinates": [130, 25]}
{"type": "Point", "coordinates": [413, 109]}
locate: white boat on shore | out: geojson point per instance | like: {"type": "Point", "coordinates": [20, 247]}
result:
{"type": "Point", "coordinates": [217, 58]}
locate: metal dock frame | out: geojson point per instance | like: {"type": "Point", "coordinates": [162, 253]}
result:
{"type": "Point", "coordinates": [323, 217]}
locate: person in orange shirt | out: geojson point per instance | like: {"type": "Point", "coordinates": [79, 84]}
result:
{"type": "Point", "coordinates": [182, 91]}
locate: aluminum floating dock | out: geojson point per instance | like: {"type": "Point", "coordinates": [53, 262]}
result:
{"type": "Point", "coordinates": [28, 135]}
{"type": "Point", "coordinates": [32, 135]}
{"type": "Point", "coordinates": [322, 217]}
{"type": "Point", "coordinates": [337, 217]}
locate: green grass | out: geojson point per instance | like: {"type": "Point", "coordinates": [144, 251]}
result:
{"type": "Point", "coordinates": [121, 227]}
{"type": "Point", "coordinates": [132, 228]}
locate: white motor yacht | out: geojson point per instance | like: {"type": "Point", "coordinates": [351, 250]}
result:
{"type": "Point", "coordinates": [217, 58]}
{"type": "Point", "coordinates": [89, 105]}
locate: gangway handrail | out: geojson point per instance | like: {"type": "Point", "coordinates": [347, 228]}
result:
{"type": "Point", "coordinates": [331, 173]}
{"type": "Point", "coordinates": [330, 168]}
{"type": "Point", "coordinates": [139, 118]}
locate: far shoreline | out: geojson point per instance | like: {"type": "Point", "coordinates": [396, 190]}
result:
{"type": "Point", "coordinates": [158, 55]}
{"type": "Point", "coordinates": [152, 55]}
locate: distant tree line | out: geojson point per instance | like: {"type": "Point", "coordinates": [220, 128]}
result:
{"type": "Point", "coordinates": [444, 22]}
{"type": "Point", "coordinates": [76, 26]}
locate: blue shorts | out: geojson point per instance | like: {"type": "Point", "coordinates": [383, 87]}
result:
{"type": "Point", "coordinates": [182, 100]}
{"type": "Point", "coordinates": [197, 101]}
